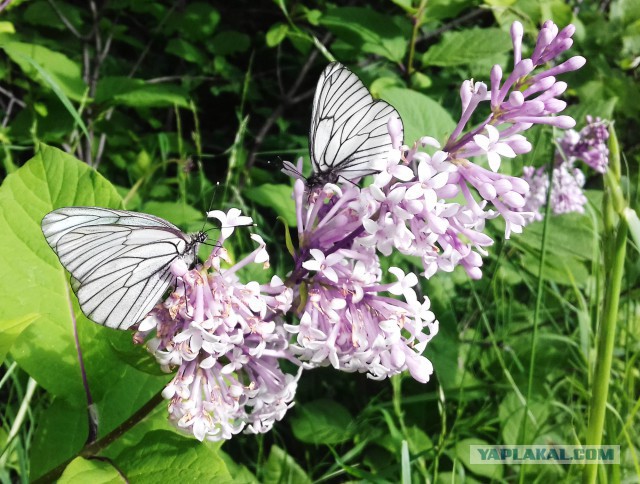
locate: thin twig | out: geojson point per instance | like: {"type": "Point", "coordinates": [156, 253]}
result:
{"type": "Point", "coordinates": [286, 101]}
{"type": "Point", "coordinates": [8, 113]}
{"type": "Point", "coordinates": [103, 137]}
{"type": "Point", "coordinates": [159, 80]}
{"type": "Point", "coordinates": [4, 5]}
{"type": "Point", "coordinates": [11, 96]}
{"type": "Point", "coordinates": [454, 23]}
{"type": "Point", "coordinates": [66, 22]}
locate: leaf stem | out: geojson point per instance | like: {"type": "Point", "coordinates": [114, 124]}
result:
{"type": "Point", "coordinates": [615, 239]}
{"type": "Point", "coordinates": [417, 18]}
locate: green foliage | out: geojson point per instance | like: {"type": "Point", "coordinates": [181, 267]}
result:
{"type": "Point", "coordinates": [154, 102]}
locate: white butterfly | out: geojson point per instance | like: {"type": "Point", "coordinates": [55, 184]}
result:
{"type": "Point", "coordinates": [119, 261]}
{"type": "Point", "coordinates": [348, 129]}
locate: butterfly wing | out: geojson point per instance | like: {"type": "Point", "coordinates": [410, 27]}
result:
{"type": "Point", "coordinates": [118, 272]}
{"type": "Point", "coordinates": [57, 223]}
{"type": "Point", "coordinates": [348, 127]}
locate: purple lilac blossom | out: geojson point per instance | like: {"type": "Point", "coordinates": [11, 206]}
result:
{"type": "Point", "coordinates": [221, 335]}
{"type": "Point", "coordinates": [422, 206]}
{"type": "Point", "coordinates": [227, 337]}
{"type": "Point", "coordinates": [588, 145]}
{"type": "Point", "coordinates": [566, 194]}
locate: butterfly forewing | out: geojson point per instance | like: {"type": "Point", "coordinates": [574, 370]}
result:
{"type": "Point", "coordinates": [348, 127]}
{"type": "Point", "coordinates": [119, 260]}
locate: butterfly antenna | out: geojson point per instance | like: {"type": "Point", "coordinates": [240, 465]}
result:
{"type": "Point", "coordinates": [213, 197]}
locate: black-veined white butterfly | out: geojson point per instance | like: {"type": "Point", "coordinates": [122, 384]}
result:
{"type": "Point", "coordinates": [348, 129]}
{"type": "Point", "coordinates": [120, 261]}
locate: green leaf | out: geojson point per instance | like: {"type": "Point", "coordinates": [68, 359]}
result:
{"type": "Point", "coordinates": [197, 22]}
{"type": "Point", "coordinates": [276, 197]}
{"type": "Point", "coordinates": [186, 51]}
{"type": "Point", "coordinates": [7, 28]}
{"type": "Point", "coordinates": [48, 78]}
{"type": "Point", "coordinates": [563, 270]}
{"type": "Point", "coordinates": [281, 468]}
{"type": "Point", "coordinates": [10, 329]}
{"type": "Point", "coordinates": [568, 235]}
{"type": "Point", "coordinates": [180, 214]}
{"type": "Point", "coordinates": [633, 222]}
{"type": "Point", "coordinates": [230, 42]}
{"type": "Point", "coordinates": [49, 180]}
{"type": "Point", "coordinates": [163, 456]}
{"type": "Point", "coordinates": [419, 442]}
{"type": "Point", "coordinates": [321, 422]}
{"type": "Point", "coordinates": [46, 348]}
{"type": "Point", "coordinates": [287, 236]}
{"type": "Point", "coordinates": [60, 435]}
{"type": "Point", "coordinates": [421, 115]}
{"type": "Point", "coordinates": [276, 34]}
{"type": "Point", "coordinates": [492, 471]}
{"type": "Point", "coordinates": [511, 413]}
{"type": "Point", "coordinates": [94, 471]}
{"type": "Point", "coordinates": [443, 9]}
{"type": "Point", "coordinates": [468, 46]}
{"type": "Point", "coordinates": [367, 30]}
{"type": "Point", "coordinates": [62, 71]}
{"type": "Point", "coordinates": [140, 94]}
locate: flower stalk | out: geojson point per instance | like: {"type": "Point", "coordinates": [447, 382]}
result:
{"type": "Point", "coordinates": [615, 237]}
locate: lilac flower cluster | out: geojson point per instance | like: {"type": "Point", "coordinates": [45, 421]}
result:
{"type": "Point", "coordinates": [588, 145]}
{"type": "Point", "coordinates": [227, 337]}
{"type": "Point", "coordinates": [566, 193]}
{"type": "Point", "coordinates": [219, 333]}
{"type": "Point", "coordinates": [423, 206]}
{"type": "Point", "coordinates": [347, 321]}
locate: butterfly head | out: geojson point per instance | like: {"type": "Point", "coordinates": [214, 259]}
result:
{"type": "Point", "coordinates": [320, 179]}
{"type": "Point", "coordinates": [200, 237]}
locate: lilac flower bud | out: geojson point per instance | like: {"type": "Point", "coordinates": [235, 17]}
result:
{"type": "Point", "coordinates": [555, 90]}
{"type": "Point", "coordinates": [517, 32]}
{"type": "Point", "coordinates": [495, 77]}
{"type": "Point", "coordinates": [466, 92]}
{"type": "Point", "coordinates": [521, 69]}
{"type": "Point", "coordinates": [541, 85]}
{"type": "Point", "coordinates": [545, 36]}
{"type": "Point", "coordinates": [179, 268]}
{"type": "Point", "coordinates": [429, 141]}
{"type": "Point", "coordinates": [557, 47]}
{"type": "Point", "coordinates": [502, 186]}
{"type": "Point", "coordinates": [562, 122]}
{"type": "Point", "coordinates": [567, 32]}
{"type": "Point", "coordinates": [572, 64]}
{"type": "Point", "coordinates": [529, 108]}
{"type": "Point", "coordinates": [553, 106]}
{"type": "Point", "coordinates": [514, 199]}
{"type": "Point", "coordinates": [519, 144]}
{"type": "Point", "coordinates": [516, 99]}
{"type": "Point", "coordinates": [487, 191]}
{"type": "Point", "coordinates": [394, 126]}
{"type": "Point", "coordinates": [478, 93]}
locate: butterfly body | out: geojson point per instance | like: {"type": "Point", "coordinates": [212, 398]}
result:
{"type": "Point", "coordinates": [120, 261]}
{"type": "Point", "coordinates": [348, 132]}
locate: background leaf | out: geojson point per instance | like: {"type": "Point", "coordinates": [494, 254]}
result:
{"type": "Point", "coordinates": [421, 115]}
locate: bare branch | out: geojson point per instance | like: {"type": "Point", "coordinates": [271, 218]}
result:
{"type": "Point", "coordinates": [286, 101]}
{"type": "Point", "coordinates": [12, 97]}
{"type": "Point", "coordinates": [4, 5]}
{"type": "Point", "coordinates": [66, 22]}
